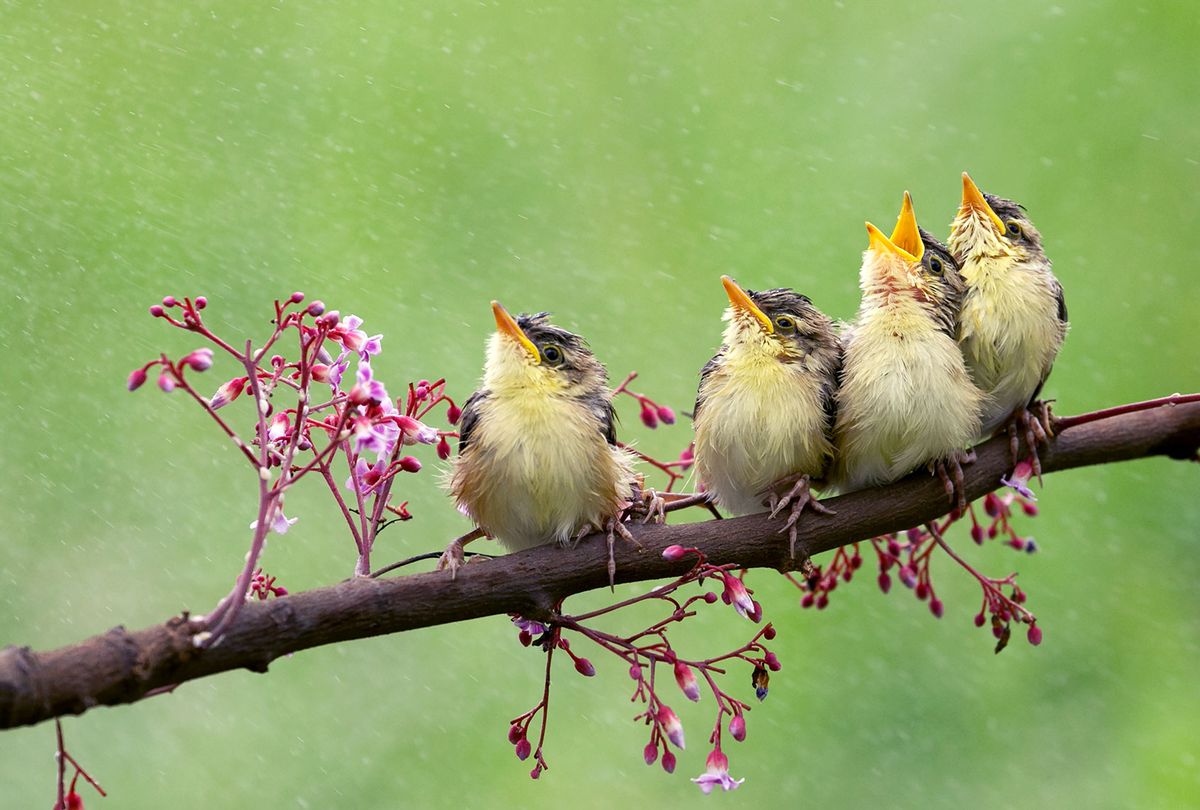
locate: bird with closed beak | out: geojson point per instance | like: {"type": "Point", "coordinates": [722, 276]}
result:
{"type": "Point", "coordinates": [905, 398]}
{"type": "Point", "coordinates": [764, 411]}
{"type": "Point", "coordinates": [538, 460]}
{"type": "Point", "coordinates": [1014, 317]}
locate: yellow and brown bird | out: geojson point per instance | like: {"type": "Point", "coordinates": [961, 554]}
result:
{"type": "Point", "coordinates": [905, 398]}
{"type": "Point", "coordinates": [764, 411]}
{"type": "Point", "coordinates": [1014, 318]}
{"type": "Point", "coordinates": [538, 460]}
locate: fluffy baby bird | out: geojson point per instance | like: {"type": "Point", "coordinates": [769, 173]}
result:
{"type": "Point", "coordinates": [1014, 318]}
{"type": "Point", "coordinates": [537, 455]}
{"type": "Point", "coordinates": [906, 398]}
{"type": "Point", "coordinates": [764, 411]}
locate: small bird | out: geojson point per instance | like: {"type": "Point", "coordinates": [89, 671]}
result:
{"type": "Point", "coordinates": [764, 411]}
{"type": "Point", "coordinates": [906, 398]}
{"type": "Point", "coordinates": [1014, 317]}
{"type": "Point", "coordinates": [538, 460]}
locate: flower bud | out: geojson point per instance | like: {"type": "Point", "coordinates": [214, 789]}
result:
{"type": "Point", "coordinates": [649, 417]}
{"type": "Point", "coordinates": [671, 726]}
{"type": "Point", "coordinates": [737, 727]}
{"type": "Point", "coordinates": [977, 534]}
{"type": "Point", "coordinates": [168, 301]}
{"type": "Point", "coordinates": [136, 378]}
{"type": "Point", "coordinates": [453, 414]}
{"type": "Point", "coordinates": [710, 597]}
{"type": "Point", "coordinates": [443, 449]}
{"type": "Point", "coordinates": [893, 546]}
{"type": "Point", "coordinates": [979, 619]}
{"type": "Point", "coordinates": [688, 455]}
{"type": "Point", "coordinates": [227, 393]}
{"type": "Point", "coordinates": [674, 553]}
{"type": "Point", "coordinates": [808, 600]}
{"type": "Point", "coordinates": [650, 753]}
{"type": "Point", "coordinates": [908, 576]}
{"type": "Point", "coordinates": [769, 632]}
{"type": "Point", "coordinates": [410, 464]}
{"type": "Point", "coordinates": [885, 581]}
{"type": "Point", "coordinates": [157, 311]}
{"type": "Point", "coordinates": [515, 734]}
{"type": "Point", "coordinates": [1030, 509]}
{"type": "Point", "coordinates": [296, 297]}
{"type": "Point", "coordinates": [668, 762]}
{"type": "Point", "coordinates": [536, 772]}
{"type": "Point", "coordinates": [201, 302]}
{"type": "Point", "coordinates": [922, 591]}
{"type": "Point", "coordinates": [772, 662]}
{"type": "Point", "coordinates": [523, 749]}
{"type": "Point", "coordinates": [666, 415]}
{"type": "Point", "coordinates": [584, 667]}
{"type": "Point", "coordinates": [936, 607]}
{"type": "Point", "coordinates": [822, 601]}
{"type": "Point", "coordinates": [316, 308]}
{"type": "Point", "coordinates": [199, 360]}
{"type": "Point", "coordinates": [166, 381]}
{"type": "Point", "coordinates": [74, 801]}
{"type": "Point", "coordinates": [1034, 635]}
{"type": "Point", "coordinates": [635, 672]}
{"type": "Point", "coordinates": [687, 681]}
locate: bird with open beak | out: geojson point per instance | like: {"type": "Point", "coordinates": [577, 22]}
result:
{"type": "Point", "coordinates": [764, 411]}
{"type": "Point", "coordinates": [538, 460]}
{"type": "Point", "coordinates": [1014, 318]}
{"type": "Point", "coordinates": [905, 398]}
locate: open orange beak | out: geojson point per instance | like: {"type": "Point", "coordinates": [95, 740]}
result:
{"type": "Point", "coordinates": [973, 200]}
{"type": "Point", "coordinates": [743, 302]}
{"type": "Point", "coordinates": [906, 235]}
{"type": "Point", "coordinates": [508, 327]}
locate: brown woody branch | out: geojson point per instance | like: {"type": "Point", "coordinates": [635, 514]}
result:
{"type": "Point", "coordinates": [122, 666]}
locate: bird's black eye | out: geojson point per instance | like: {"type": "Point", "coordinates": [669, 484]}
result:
{"type": "Point", "coordinates": [935, 266]}
{"type": "Point", "coordinates": [784, 324]}
{"type": "Point", "coordinates": [551, 354]}
{"type": "Point", "coordinates": [1013, 228]}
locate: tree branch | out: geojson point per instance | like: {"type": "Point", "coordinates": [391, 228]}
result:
{"type": "Point", "coordinates": [122, 666]}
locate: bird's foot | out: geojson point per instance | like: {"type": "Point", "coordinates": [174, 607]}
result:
{"type": "Point", "coordinates": [798, 496]}
{"type": "Point", "coordinates": [615, 526]}
{"type": "Point", "coordinates": [649, 505]}
{"type": "Point", "coordinates": [949, 469]}
{"type": "Point", "coordinates": [1032, 425]}
{"type": "Point", "coordinates": [453, 557]}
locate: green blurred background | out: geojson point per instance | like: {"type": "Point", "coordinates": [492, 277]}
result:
{"type": "Point", "coordinates": [607, 161]}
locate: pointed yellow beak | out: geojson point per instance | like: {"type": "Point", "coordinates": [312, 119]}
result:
{"type": "Point", "coordinates": [505, 325]}
{"type": "Point", "coordinates": [881, 244]}
{"type": "Point", "coordinates": [973, 200]}
{"type": "Point", "coordinates": [906, 235]}
{"type": "Point", "coordinates": [739, 300]}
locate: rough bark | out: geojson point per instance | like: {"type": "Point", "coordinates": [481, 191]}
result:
{"type": "Point", "coordinates": [122, 666]}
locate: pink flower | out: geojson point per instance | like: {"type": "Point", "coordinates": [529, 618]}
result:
{"type": "Point", "coordinates": [671, 726]}
{"type": "Point", "coordinates": [228, 393]}
{"type": "Point", "coordinates": [737, 595]}
{"type": "Point", "coordinates": [279, 524]}
{"type": "Point", "coordinates": [687, 681]}
{"type": "Point", "coordinates": [367, 475]}
{"type": "Point", "coordinates": [370, 436]}
{"type": "Point", "coordinates": [1020, 480]}
{"type": "Point", "coordinates": [717, 774]}
{"type": "Point", "coordinates": [366, 388]}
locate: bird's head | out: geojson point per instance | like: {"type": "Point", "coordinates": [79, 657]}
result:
{"type": "Point", "coordinates": [530, 352]}
{"type": "Point", "coordinates": [992, 229]}
{"type": "Point", "coordinates": [779, 322]}
{"type": "Point", "coordinates": [911, 267]}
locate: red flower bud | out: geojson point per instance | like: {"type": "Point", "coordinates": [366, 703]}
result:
{"type": "Point", "coordinates": [74, 801]}
{"type": "Point", "coordinates": [584, 667]}
{"type": "Point", "coordinates": [979, 619]}
{"type": "Point", "coordinates": [808, 600]}
{"type": "Point", "coordinates": [1034, 635]}
{"type": "Point", "coordinates": [737, 727]}
{"type": "Point", "coordinates": [649, 417]}
{"type": "Point", "coordinates": [710, 597]}
{"type": "Point", "coordinates": [157, 311]}
{"type": "Point", "coordinates": [885, 582]}
{"type": "Point", "coordinates": [166, 381]}
{"type": "Point", "coordinates": [686, 680]}
{"type": "Point", "coordinates": [666, 415]}
{"type": "Point", "coordinates": [922, 591]}
{"type": "Point", "coordinates": [772, 662]}
{"type": "Point", "coordinates": [908, 576]}
{"type": "Point", "coordinates": [977, 534]}
{"type": "Point", "coordinates": [523, 750]}
{"type": "Point", "coordinates": [296, 297]}
{"type": "Point", "coordinates": [168, 301]}
{"type": "Point", "coordinates": [316, 308]}
{"type": "Point", "coordinates": [453, 414]}
{"type": "Point", "coordinates": [650, 753]}
{"type": "Point", "coordinates": [410, 464]}
{"type": "Point", "coordinates": [515, 734]}
{"type": "Point", "coordinates": [635, 672]}
{"type": "Point", "coordinates": [674, 553]}
{"type": "Point", "coordinates": [443, 449]}
{"type": "Point", "coordinates": [936, 607]}
{"type": "Point", "coordinates": [671, 726]}
{"type": "Point", "coordinates": [668, 762]}
{"type": "Point", "coordinates": [769, 632]}
{"type": "Point", "coordinates": [201, 302]}
{"type": "Point", "coordinates": [136, 378]}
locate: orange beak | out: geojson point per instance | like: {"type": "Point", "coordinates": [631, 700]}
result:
{"type": "Point", "coordinates": [505, 325]}
{"type": "Point", "coordinates": [881, 244]}
{"type": "Point", "coordinates": [743, 302]}
{"type": "Point", "coordinates": [906, 235]}
{"type": "Point", "coordinates": [973, 200]}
